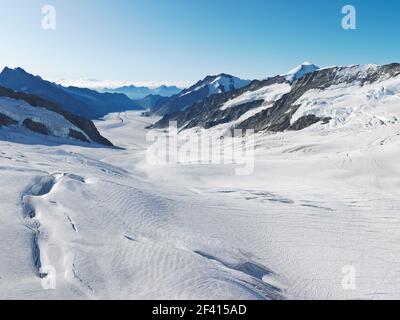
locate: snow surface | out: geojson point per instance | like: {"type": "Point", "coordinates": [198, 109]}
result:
{"type": "Point", "coordinates": [115, 226]}
{"type": "Point", "coordinates": [269, 94]}
{"type": "Point", "coordinates": [354, 106]}
{"type": "Point", "coordinates": [110, 231]}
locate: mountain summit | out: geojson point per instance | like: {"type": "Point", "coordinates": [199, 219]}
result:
{"type": "Point", "coordinates": [203, 89]}
{"type": "Point", "coordinates": [300, 71]}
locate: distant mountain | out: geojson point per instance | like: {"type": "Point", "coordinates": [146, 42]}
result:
{"type": "Point", "coordinates": [300, 71]}
{"type": "Point", "coordinates": [150, 101]}
{"type": "Point", "coordinates": [138, 93]}
{"type": "Point", "coordinates": [25, 111]}
{"type": "Point", "coordinates": [84, 102]}
{"type": "Point", "coordinates": [203, 89]}
{"type": "Point", "coordinates": [303, 98]}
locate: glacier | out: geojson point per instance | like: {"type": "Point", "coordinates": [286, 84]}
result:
{"type": "Point", "coordinates": [322, 201]}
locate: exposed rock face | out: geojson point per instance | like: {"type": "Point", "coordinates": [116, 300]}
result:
{"type": "Point", "coordinates": [179, 102]}
{"type": "Point", "coordinates": [77, 135]}
{"type": "Point", "coordinates": [85, 125]}
{"type": "Point", "coordinates": [208, 113]}
{"type": "Point", "coordinates": [197, 93]}
{"type": "Point", "coordinates": [36, 127]}
{"type": "Point", "coordinates": [6, 121]}
{"type": "Point", "coordinates": [277, 117]}
{"type": "Point", "coordinates": [307, 121]}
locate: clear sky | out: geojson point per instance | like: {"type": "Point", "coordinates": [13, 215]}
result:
{"type": "Point", "coordinates": [184, 40]}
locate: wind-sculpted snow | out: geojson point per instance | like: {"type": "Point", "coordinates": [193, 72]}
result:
{"type": "Point", "coordinates": [95, 230]}
{"type": "Point", "coordinates": [108, 224]}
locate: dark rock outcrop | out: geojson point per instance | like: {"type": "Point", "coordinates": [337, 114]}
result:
{"type": "Point", "coordinates": [278, 117]}
{"type": "Point", "coordinates": [6, 121]}
{"type": "Point", "coordinates": [208, 113]}
{"type": "Point", "coordinates": [198, 93]}
{"type": "Point", "coordinates": [77, 135]}
{"type": "Point", "coordinates": [36, 127]}
{"type": "Point", "coordinates": [306, 121]}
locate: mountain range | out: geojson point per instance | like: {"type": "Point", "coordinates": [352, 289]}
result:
{"type": "Point", "coordinates": [293, 101]}
{"type": "Point", "coordinates": [83, 102]}
{"type": "Point", "coordinates": [210, 85]}
{"type": "Point", "coordinates": [138, 93]}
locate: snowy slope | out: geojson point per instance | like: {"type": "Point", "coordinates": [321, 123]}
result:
{"type": "Point", "coordinates": [228, 108]}
{"type": "Point", "coordinates": [218, 84]}
{"type": "Point", "coordinates": [286, 113]}
{"type": "Point", "coordinates": [317, 202]}
{"type": "Point", "coordinates": [210, 85]}
{"type": "Point", "coordinates": [269, 94]}
{"type": "Point", "coordinates": [39, 116]}
{"type": "Point", "coordinates": [19, 111]}
{"type": "Point", "coordinates": [355, 106]}
{"type": "Point", "coordinates": [110, 232]}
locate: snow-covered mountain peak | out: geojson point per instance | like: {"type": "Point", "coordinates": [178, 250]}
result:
{"type": "Point", "coordinates": [324, 96]}
{"type": "Point", "coordinates": [226, 83]}
{"type": "Point", "coordinates": [300, 71]}
{"type": "Point", "coordinates": [210, 85]}
{"type": "Point", "coordinates": [218, 84]}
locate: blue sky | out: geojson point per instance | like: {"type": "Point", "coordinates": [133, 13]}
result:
{"type": "Point", "coordinates": [184, 40]}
